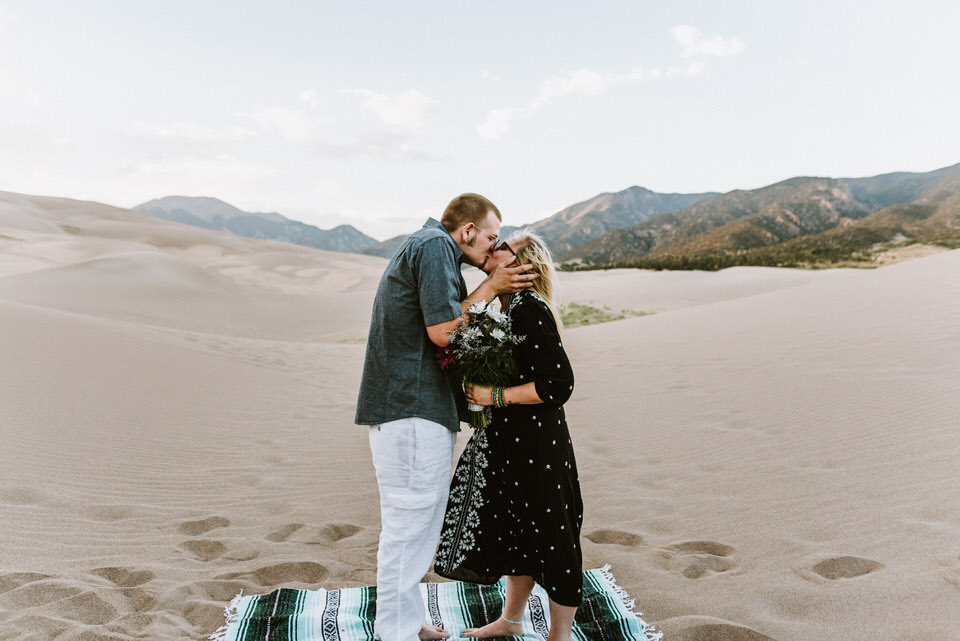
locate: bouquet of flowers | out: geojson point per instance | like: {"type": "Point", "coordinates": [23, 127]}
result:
{"type": "Point", "coordinates": [479, 352]}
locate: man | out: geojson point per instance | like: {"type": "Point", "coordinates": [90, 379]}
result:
{"type": "Point", "coordinates": [410, 408]}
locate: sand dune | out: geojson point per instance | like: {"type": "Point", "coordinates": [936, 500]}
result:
{"type": "Point", "coordinates": [773, 454]}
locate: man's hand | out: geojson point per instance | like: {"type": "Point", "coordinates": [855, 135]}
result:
{"type": "Point", "coordinates": [508, 279]}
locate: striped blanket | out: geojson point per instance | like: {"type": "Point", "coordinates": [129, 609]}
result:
{"type": "Point", "coordinates": [606, 613]}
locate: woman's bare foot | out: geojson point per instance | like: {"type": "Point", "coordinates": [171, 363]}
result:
{"type": "Point", "coordinates": [432, 633]}
{"type": "Point", "coordinates": [499, 628]}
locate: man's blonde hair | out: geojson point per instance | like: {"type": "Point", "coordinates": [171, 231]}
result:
{"type": "Point", "coordinates": [531, 249]}
{"type": "Point", "coordinates": [467, 208]}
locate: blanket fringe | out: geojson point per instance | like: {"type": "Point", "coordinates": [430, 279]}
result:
{"type": "Point", "coordinates": [231, 613]}
{"type": "Point", "coordinates": [650, 633]}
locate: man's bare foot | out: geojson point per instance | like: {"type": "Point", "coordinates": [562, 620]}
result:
{"type": "Point", "coordinates": [432, 633]}
{"type": "Point", "coordinates": [499, 628]}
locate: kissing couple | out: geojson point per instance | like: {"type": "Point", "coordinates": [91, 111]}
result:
{"type": "Point", "coordinates": [513, 507]}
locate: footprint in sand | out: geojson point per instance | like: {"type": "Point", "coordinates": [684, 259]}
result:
{"type": "Point", "coordinates": [129, 582]}
{"type": "Point", "coordinates": [204, 550]}
{"type": "Point", "coordinates": [196, 528]}
{"type": "Point", "coordinates": [201, 603]}
{"type": "Point", "coordinates": [846, 567]}
{"type": "Point", "coordinates": [300, 533]}
{"type": "Point", "coordinates": [125, 577]}
{"type": "Point", "coordinates": [60, 600]}
{"type": "Point", "coordinates": [16, 579]}
{"type": "Point", "coordinates": [700, 559]}
{"type": "Point", "coordinates": [835, 568]}
{"type": "Point", "coordinates": [952, 574]}
{"type": "Point", "coordinates": [283, 573]}
{"type": "Point", "coordinates": [698, 628]}
{"type": "Point", "coordinates": [21, 496]}
{"type": "Point", "coordinates": [616, 537]}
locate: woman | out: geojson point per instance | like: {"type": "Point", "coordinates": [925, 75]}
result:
{"type": "Point", "coordinates": [515, 506]}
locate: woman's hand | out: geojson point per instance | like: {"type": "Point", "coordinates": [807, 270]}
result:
{"type": "Point", "coordinates": [479, 394]}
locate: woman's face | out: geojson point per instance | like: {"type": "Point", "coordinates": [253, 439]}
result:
{"type": "Point", "coordinates": [501, 254]}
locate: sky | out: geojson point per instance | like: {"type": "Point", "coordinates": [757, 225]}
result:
{"type": "Point", "coordinates": [376, 114]}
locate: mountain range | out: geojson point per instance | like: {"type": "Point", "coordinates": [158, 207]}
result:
{"type": "Point", "coordinates": [744, 226]}
{"type": "Point", "coordinates": [580, 223]}
{"type": "Point", "coordinates": [213, 213]}
{"type": "Point", "coordinates": [799, 221]}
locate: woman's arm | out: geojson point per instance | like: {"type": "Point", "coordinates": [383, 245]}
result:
{"type": "Point", "coordinates": [525, 394]}
{"type": "Point", "coordinates": [543, 350]}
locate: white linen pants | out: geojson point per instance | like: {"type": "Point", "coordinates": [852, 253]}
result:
{"type": "Point", "coordinates": [412, 458]}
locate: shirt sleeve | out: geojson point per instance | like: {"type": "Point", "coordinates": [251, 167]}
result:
{"type": "Point", "coordinates": [438, 282]}
{"type": "Point", "coordinates": [542, 348]}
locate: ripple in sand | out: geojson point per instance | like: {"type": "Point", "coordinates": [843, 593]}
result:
{"type": "Point", "coordinates": [195, 528]}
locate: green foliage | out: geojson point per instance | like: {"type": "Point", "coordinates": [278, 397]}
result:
{"type": "Point", "coordinates": [579, 314]}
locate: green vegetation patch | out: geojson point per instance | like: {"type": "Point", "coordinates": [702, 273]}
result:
{"type": "Point", "coordinates": [580, 314]}
{"type": "Point", "coordinates": [70, 229]}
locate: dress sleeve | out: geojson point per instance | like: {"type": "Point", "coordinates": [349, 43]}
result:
{"type": "Point", "coordinates": [542, 349]}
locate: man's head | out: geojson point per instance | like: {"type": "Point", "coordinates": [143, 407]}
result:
{"type": "Point", "coordinates": [474, 223]}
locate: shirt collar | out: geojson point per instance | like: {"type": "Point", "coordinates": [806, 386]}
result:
{"type": "Point", "coordinates": [436, 224]}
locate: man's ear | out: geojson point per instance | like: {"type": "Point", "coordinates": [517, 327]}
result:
{"type": "Point", "coordinates": [465, 230]}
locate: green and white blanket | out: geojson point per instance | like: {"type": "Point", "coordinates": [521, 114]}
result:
{"type": "Point", "coordinates": [606, 613]}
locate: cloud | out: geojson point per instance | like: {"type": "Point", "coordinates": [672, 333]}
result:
{"type": "Point", "coordinates": [219, 173]}
{"type": "Point", "coordinates": [584, 82]}
{"type": "Point", "coordinates": [6, 19]}
{"type": "Point", "coordinates": [408, 110]}
{"type": "Point", "coordinates": [190, 131]}
{"type": "Point", "coordinates": [498, 121]}
{"type": "Point", "coordinates": [311, 97]}
{"type": "Point", "coordinates": [589, 82]}
{"type": "Point", "coordinates": [696, 44]}
{"type": "Point", "coordinates": [379, 144]}
{"type": "Point", "coordinates": [292, 124]}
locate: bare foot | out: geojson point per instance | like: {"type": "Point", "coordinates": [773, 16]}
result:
{"type": "Point", "coordinates": [499, 628]}
{"type": "Point", "coordinates": [432, 633]}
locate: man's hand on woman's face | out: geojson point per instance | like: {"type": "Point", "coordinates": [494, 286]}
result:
{"type": "Point", "coordinates": [507, 279]}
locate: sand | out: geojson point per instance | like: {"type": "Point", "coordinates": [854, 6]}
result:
{"type": "Point", "coordinates": [770, 454]}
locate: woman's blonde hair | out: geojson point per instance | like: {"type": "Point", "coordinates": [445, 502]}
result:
{"type": "Point", "coordinates": [531, 249]}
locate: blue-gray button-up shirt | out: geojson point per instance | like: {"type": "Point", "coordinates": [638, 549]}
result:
{"type": "Point", "coordinates": [421, 286]}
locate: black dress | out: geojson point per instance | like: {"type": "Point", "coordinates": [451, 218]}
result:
{"type": "Point", "coordinates": [515, 506]}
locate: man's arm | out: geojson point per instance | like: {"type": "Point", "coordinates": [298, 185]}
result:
{"type": "Point", "coordinates": [505, 279]}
